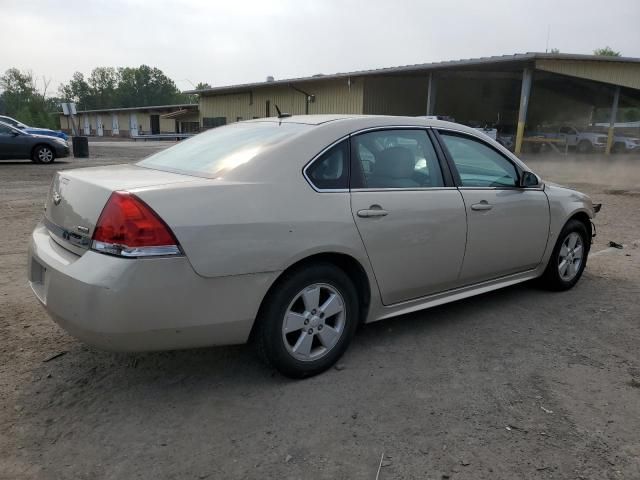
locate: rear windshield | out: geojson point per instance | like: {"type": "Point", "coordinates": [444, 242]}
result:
{"type": "Point", "coordinates": [220, 150]}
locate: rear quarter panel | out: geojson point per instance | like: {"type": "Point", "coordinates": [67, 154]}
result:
{"type": "Point", "coordinates": [237, 228]}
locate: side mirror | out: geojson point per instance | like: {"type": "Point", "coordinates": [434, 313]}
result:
{"type": "Point", "coordinates": [529, 179]}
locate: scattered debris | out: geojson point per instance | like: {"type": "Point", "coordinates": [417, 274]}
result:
{"type": "Point", "coordinates": [355, 415]}
{"type": "Point", "coordinates": [288, 458]}
{"type": "Point", "coordinates": [546, 410]}
{"type": "Point", "coordinates": [53, 357]}
{"type": "Point", "coordinates": [616, 245]}
{"type": "Point", "coordinates": [339, 366]}
{"type": "Point", "coordinates": [508, 427]}
{"type": "Point", "coordinates": [465, 463]}
{"type": "Point", "coordinates": [380, 466]}
{"type": "Point", "coordinates": [386, 463]}
{"type": "Point", "coordinates": [445, 476]}
{"type": "Point", "coordinates": [635, 243]}
{"type": "Point", "coordinates": [542, 468]}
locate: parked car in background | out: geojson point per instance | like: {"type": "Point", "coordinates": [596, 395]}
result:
{"type": "Point", "coordinates": [17, 144]}
{"type": "Point", "coordinates": [321, 223]}
{"type": "Point", "coordinates": [35, 130]}
{"type": "Point", "coordinates": [582, 141]}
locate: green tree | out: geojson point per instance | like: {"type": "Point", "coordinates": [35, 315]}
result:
{"type": "Point", "coordinates": [21, 99]}
{"type": "Point", "coordinates": [103, 85]}
{"type": "Point", "coordinates": [144, 86]}
{"type": "Point", "coordinates": [202, 86]}
{"type": "Point", "coordinates": [606, 52]}
{"type": "Point", "coordinates": [554, 51]}
{"type": "Point", "coordinates": [78, 91]}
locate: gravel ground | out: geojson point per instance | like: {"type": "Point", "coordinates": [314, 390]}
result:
{"type": "Point", "coordinates": [519, 383]}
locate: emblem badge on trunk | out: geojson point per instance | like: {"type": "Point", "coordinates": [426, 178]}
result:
{"type": "Point", "coordinates": [56, 198]}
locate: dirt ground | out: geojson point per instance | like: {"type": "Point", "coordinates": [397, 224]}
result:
{"type": "Point", "coordinates": [519, 383]}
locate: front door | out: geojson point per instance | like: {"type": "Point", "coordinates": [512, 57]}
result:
{"type": "Point", "coordinates": [413, 225]}
{"type": "Point", "coordinates": [86, 124]}
{"type": "Point", "coordinates": [99, 126]}
{"type": "Point", "coordinates": [155, 124]}
{"type": "Point", "coordinates": [508, 226]}
{"type": "Point", "coordinates": [133, 124]}
{"type": "Point", "coordinates": [11, 145]}
{"type": "Point", "coordinates": [115, 127]}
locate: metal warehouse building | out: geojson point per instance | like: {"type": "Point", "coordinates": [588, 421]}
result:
{"type": "Point", "coordinates": [515, 93]}
{"type": "Point", "coordinates": [134, 121]}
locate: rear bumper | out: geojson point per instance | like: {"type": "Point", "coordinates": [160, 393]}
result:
{"type": "Point", "coordinates": [141, 304]}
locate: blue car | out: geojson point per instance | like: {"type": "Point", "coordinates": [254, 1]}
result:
{"type": "Point", "coordinates": [34, 130]}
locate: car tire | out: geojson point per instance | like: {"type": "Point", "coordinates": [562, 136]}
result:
{"type": "Point", "coordinates": [294, 334]}
{"type": "Point", "coordinates": [584, 146]}
{"type": "Point", "coordinates": [43, 154]}
{"type": "Point", "coordinates": [565, 268]}
{"type": "Point", "coordinates": [619, 148]}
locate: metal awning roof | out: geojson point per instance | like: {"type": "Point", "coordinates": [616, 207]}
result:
{"type": "Point", "coordinates": [180, 113]}
{"type": "Point", "coordinates": [503, 61]}
{"type": "Point", "coordinates": [150, 107]}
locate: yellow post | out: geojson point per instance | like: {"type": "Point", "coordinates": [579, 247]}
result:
{"type": "Point", "coordinates": [527, 80]}
{"type": "Point", "coordinates": [612, 120]}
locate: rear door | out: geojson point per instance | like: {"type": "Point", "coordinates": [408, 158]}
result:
{"type": "Point", "coordinates": [410, 216]}
{"type": "Point", "coordinates": [508, 226]}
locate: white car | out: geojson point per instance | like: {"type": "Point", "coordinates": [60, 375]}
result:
{"type": "Point", "coordinates": [290, 232]}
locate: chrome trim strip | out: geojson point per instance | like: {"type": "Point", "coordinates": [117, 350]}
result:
{"type": "Point", "coordinates": [310, 162]}
{"type": "Point", "coordinates": [75, 239]}
{"type": "Point", "coordinates": [524, 189]}
{"type": "Point", "coordinates": [416, 189]}
{"type": "Point", "coordinates": [391, 127]}
{"type": "Point", "coordinates": [134, 252]}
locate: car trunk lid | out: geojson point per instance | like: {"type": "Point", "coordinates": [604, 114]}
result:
{"type": "Point", "coordinates": [77, 197]}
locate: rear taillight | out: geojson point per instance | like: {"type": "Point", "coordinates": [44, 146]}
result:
{"type": "Point", "coordinates": [128, 227]}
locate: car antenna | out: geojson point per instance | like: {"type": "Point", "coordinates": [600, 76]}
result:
{"type": "Point", "coordinates": [280, 114]}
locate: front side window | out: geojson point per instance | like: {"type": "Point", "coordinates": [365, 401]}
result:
{"type": "Point", "coordinates": [396, 159]}
{"type": "Point", "coordinates": [6, 130]}
{"type": "Point", "coordinates": [478, 164]}
{"type": "Point", "coordinates": [331, 170]}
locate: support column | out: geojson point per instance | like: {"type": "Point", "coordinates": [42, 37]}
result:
{"type": "Point", "coordinates": [431, 94]}
{"type": "Point", "coordinates": [612, 120]}
{"type": "Point", "coordinates": [525, 92]}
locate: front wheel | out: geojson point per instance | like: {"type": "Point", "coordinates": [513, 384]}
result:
{"type": "Point", "coordinates": [43, 154]}
{"type": "Point", "coordinates": [569, 257]}
{"type": "Point", "coordinates": [308, 320]}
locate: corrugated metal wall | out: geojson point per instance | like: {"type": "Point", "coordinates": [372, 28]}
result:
{"type": "Point", "coordinates": [395, 95]}
{"type": "Point", "coordinates": [624, 74]}
{"type": "Point", "coordinates": [335, 96]}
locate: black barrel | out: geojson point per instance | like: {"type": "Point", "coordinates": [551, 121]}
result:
{"type": "Point", "coordinates": [80, 147]}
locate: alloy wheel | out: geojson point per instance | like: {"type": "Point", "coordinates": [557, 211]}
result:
{"type": "Point", "coordinates": [570, 256]}
{"type": "Point", "coordinates": [45, 155]}
{"type": "Point", "coordinates": [314, 322]}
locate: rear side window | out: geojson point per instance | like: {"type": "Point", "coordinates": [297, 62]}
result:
{"type": "Point", "coordinates": [478, 164]}
{"type": "Point", "coordinates": [395, 159]}
{"type": "Point", "coordinates": [220, 150]}
{"type": "Point", "coordinates": [331, 170]}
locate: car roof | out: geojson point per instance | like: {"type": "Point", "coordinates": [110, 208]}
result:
{"type": "Point", "coordinates": [357, 122]}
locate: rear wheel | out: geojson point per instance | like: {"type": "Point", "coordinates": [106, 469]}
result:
{"type": "Point", "coordinates": [43, 154]}
{"type": "Point", "coordinates": [584, 146]}
{"type": "Point", "coordinates": [307, 320]}
{"type": "Point", "coordinates": [569, 257]}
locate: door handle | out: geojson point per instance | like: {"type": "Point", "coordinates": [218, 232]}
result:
{"type": "Point", "coordinates": [482, 206]}
{"type": "Point", "coordinates": [373, 211]}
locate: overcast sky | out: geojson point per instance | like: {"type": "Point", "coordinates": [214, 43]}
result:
{"type": "Point", "coordinates": [238, 41]}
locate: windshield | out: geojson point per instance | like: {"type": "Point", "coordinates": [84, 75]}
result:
{"type": "Point", "coordinates": [212, 153]}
